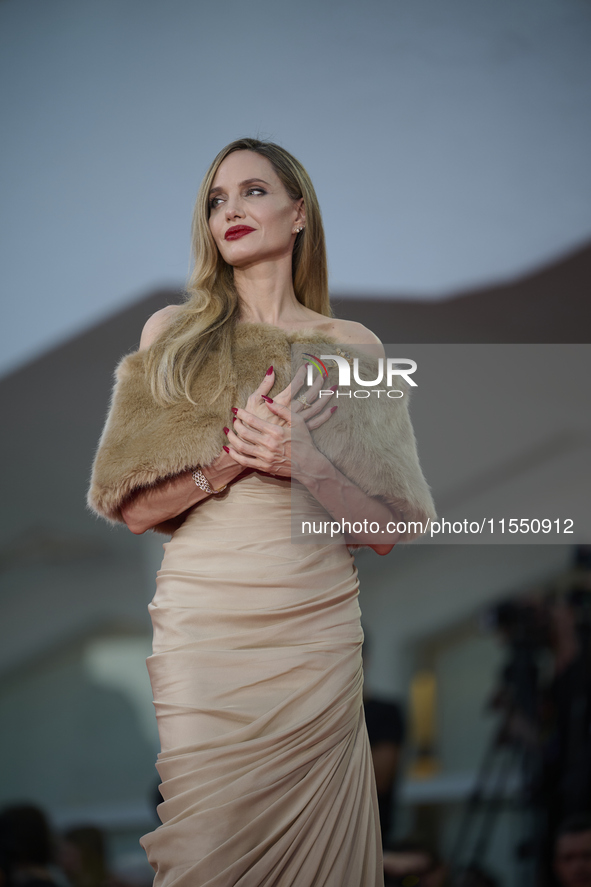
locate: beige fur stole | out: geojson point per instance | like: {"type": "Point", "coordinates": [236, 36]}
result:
{"type": "Point", "coordinates": [369, 440]}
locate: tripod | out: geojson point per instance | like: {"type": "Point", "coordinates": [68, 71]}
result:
{"type": "Point", "coordinates": [509, 769]}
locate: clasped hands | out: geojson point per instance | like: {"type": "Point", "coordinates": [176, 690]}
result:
{"type": "Point", "coordinates": [263, 432]}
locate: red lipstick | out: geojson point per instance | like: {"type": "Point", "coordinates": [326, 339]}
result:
{"type": "Point", "coordinates": [237, 231]}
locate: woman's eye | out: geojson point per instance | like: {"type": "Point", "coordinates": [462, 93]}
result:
{"type": "Point", "coordinates": [216, 201]}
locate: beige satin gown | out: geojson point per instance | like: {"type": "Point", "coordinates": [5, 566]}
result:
{"type": "Point", "coordinates": [256, 672]}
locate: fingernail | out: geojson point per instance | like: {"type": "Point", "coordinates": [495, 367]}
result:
{"type": "Point", "coordinates": [332, 409]}
{"type": "Point", "coordinates": [235, 410]}
{"type": "Point", "coordinates": [269, 371]}
{"type": "Point", "coordinates": [226, 430]}
{"type": "Point", "coordinates": [227, 449]}
{"type": "Point", "coordinates": [233, 418]}
{"type": "Point", "coordinates": [268, 399]}
{"type": "Point", "coordinates": [333, 387]}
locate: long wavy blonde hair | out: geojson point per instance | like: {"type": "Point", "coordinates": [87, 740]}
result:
{"type": "Point", "coordinates": [211, 309]}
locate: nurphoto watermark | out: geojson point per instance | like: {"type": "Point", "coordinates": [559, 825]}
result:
{"type": "Point", "coordinates": [498, 436]}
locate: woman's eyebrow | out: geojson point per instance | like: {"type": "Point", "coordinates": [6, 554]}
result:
{"type": "Point", "coordinates": [242, 184]}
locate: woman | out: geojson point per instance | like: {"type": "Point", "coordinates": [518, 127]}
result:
{"type": "Point", "coordinates": [256, 671]}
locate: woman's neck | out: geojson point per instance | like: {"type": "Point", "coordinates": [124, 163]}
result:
{"type": "Point", "coordinates": [267, 295]}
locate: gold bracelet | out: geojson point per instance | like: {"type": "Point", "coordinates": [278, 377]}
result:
{"type": "Point", "coordinates": [203, 483]}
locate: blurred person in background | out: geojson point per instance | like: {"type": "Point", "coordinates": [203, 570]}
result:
{"type": "Point", "coordinates": [82, 856]}
{"type": "Point", "coordinates": [572, 852]}
{"type": "Point", "coordinates": [569, 755]}
{"type": "Point", "coordinates": [476, 876]}
{"type": "Point", "coordinates": [413, 863]}
{"type": "Point", "coordinates": [566, 763]}
{"type": "Point", "coordinates": [26, 847]}
{"type": "Point", "coordinates": [544, 701]}
{"type": "Point", "coordinates": [385, 729]}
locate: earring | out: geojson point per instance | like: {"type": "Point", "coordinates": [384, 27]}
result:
{"type": "Point", "coordinates": [299, 228]}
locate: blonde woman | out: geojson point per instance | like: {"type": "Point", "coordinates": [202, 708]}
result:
{"type": "Point", "coordinates": [256, 669]}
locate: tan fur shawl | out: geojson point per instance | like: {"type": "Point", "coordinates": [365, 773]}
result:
{"type": "Point", "coordinates": [370, 440]}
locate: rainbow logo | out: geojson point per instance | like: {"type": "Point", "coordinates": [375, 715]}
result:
{"type": "Point", "coordinates": [317, 363]}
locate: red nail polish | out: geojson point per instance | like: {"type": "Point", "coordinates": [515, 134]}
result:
{"type": "Point", "coordinates": [233, 418]}
{"type": "Point", "coordinates": [268, 399]}
{"type": "Point", "coordinates": [226, 430]}
{"type": "Point", "coordinates": [269, 371]}
{"type": "Point", "coordinates": [227, 449]}
{"type": "Point", "coordinates": [332, 409]}
{"type": "Point", "coordinates": [234, 410]}
{"type": "Point", "coordinates": [333, 387]}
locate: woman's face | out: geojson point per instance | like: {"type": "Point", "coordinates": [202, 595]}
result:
{"type": "Point", "coordinates": [251, 215]}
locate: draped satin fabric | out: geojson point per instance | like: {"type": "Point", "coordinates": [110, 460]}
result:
{"type": "Point", "coordinates": [256, 673]}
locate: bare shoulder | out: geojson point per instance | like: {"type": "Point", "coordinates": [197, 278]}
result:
{"type": "Point", "coordinates": [349, 332]}
{"type": "Point", "coordinates": [156, 324]}
{"type": "Point", "coordinates": [353, 333]}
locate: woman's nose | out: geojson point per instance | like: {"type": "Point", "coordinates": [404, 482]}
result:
{"type": "Point", "coordinates": [234, 209]}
